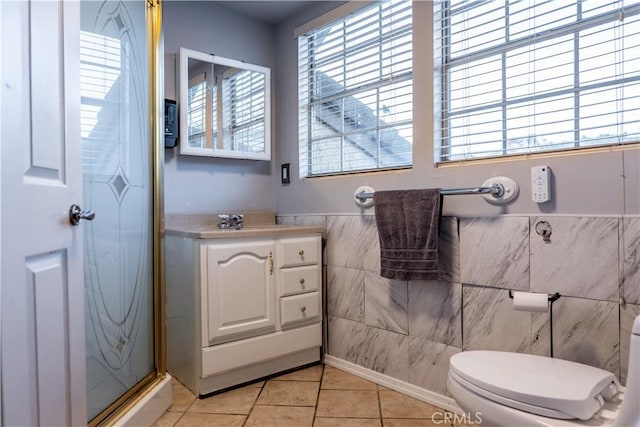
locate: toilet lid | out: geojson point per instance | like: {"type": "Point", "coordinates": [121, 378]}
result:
{"type": "Point", "coordinates": [537, 384]}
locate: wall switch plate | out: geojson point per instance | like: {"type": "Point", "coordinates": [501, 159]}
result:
{"type": "Point", "coordinates": [285, 173]}
{"type": "Point", "coordinates": [541, 184]}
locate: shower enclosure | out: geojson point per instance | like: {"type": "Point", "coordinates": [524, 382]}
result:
{"type": "Point", "coordinates": [120, 165]}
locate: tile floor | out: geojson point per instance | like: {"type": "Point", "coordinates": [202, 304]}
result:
{"type": "Point", "coordinates": [318, 396]}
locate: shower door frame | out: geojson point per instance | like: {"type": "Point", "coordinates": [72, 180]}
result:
{"type": "Point", "coordinates": [156, 111]}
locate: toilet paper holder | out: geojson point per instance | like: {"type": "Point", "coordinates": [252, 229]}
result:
{"type": "Point", "coordinates": [551, 298]}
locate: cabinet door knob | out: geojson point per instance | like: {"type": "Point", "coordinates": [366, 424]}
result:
{"type": "Point", "coordinates": [303, 309]}
{"type": "Point", "coordinates": [301, 252]}
{"type": "Point", "coordinates": [302, 281]}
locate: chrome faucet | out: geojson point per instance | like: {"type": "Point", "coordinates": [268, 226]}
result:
{"type": "Point", "coordinates": [223, 221]}
{"type": "Point", "coordinates": [235, 220]}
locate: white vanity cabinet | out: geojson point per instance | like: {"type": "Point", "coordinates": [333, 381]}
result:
{"type": "Point", "coordinates": [241, 308]}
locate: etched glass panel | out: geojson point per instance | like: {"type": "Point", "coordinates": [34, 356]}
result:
{"type": "Point", "coordinates": [118, 258]}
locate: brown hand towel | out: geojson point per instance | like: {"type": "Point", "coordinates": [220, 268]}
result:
{"type": "Point", "coordinates": [408, 222]}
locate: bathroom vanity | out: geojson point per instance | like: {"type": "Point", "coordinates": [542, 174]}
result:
{"type": "Point", "coordinates": [241, 304]}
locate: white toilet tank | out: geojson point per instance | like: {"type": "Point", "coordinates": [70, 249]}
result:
{"type": "Point", "coordinates": [629, 414]}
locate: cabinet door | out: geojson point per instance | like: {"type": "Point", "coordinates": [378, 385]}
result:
{"type": "Point", "coordinates": [240, 298]}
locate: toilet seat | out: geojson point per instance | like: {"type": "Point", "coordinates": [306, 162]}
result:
{"type": "Point", "coordinates": [522, 406]}
{"type": "Point", "coordinates": [539, 385]}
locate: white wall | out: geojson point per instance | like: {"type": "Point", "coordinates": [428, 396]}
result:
{"type": "Point", "coordinates": [592, 183]}
{"type": "Point", "coordinates": [199, 184]}
{"type": "Point", "coordinates": [582, 184]}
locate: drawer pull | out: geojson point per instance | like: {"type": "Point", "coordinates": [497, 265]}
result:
{"type": "Point", "coordinates": [301, 252]}
{"type": "Point", "coordinates": [302, 281]}
{"type": "Point", "coordinates": [303, 309]}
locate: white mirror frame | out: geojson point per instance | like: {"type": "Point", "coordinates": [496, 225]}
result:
{"type": "Point", "coordinates": [183, 79]}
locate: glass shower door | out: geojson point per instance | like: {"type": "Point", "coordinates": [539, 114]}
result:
{"type": "Point", "coordinates": [117, 179]}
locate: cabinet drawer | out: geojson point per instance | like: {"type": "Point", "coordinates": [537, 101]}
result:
{"type": "Point", "coordinates": [299, 308]}
{"type": "Point", "coordinates": [299, 251]}
{"type": "Point", "coordinates": [299, 279]}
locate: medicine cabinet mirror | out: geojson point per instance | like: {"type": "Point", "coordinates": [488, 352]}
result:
{"type": "Point", "coordinates": [225, 107]}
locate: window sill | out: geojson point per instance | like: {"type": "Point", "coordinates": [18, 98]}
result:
{"type": "Point", "coordinates": [539, 155]}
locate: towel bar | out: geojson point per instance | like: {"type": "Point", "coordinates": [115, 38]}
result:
{"type": "Point", "coordinates": [499, 190]}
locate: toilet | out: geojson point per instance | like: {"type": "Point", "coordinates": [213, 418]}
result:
{"type": "Point", "coordinates": [496, 388]}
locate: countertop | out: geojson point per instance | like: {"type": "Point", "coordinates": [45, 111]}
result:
{"type": "Point", "coordinates": [204, 226]}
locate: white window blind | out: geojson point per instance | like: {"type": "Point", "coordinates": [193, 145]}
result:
{"type": "Point", "coordinates": [355, 91]}
{"type": "Point", "coordinates": [516, 77]}
{"type": "Point", "coordinates": [197, 111]}
{"type": "Point", "coordinates": [243, 110]}
{"type": "Point", "coordinates": [104, 98]}
{"type": "Point", "coordinates": [202, 102]}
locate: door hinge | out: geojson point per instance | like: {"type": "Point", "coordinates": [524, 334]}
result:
{"type": "Point", "coordinates": [270, 262]}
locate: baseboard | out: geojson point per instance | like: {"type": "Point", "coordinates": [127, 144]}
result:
{"type": "Point", "coordinates": [403, 387]}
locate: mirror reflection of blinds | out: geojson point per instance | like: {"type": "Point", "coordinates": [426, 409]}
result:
{"type": "Point", "coordinates": [101, 91]}
{"type": "Point", "coordinates": [355, 91]}
{"type": "Point", "coordinates": [243, 106]}
{"type": "Point", "coordinates": [197, 111]}
{"type": "Point", "coordinates": [532, 76]}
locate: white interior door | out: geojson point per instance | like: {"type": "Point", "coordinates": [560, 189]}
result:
{"type": "Point", "coordinates": [43, 364]}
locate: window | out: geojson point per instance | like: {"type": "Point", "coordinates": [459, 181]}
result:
{"type": "Point", "coordinates": [355, 91]}
{"type": "Point", "coordinates": [518, 77]}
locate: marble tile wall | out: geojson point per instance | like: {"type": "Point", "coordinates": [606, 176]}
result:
{"type": "Point", "coordinates": [385, 303]}
{"type": "Point", "coordinates": [580, 259]}
{"type": "Point", "coordinates": [630, 243]}
{"type": "Point", "coordinates": [345, 293]}
{"type": "Point", "coordinates": [491, 323]}
{"type": "Point", "coordinates": [628, 313]}
{"type": "Point", "coordinates": [410, 329]}
{"type": "Point", "coordinates": [495, 252]}
{"type": "Point", "coordinates": [435, 312]}
{"type": "Point", "coordinates": [429, 364]}
{"type": "Point", "coordinates": [584, 330]}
